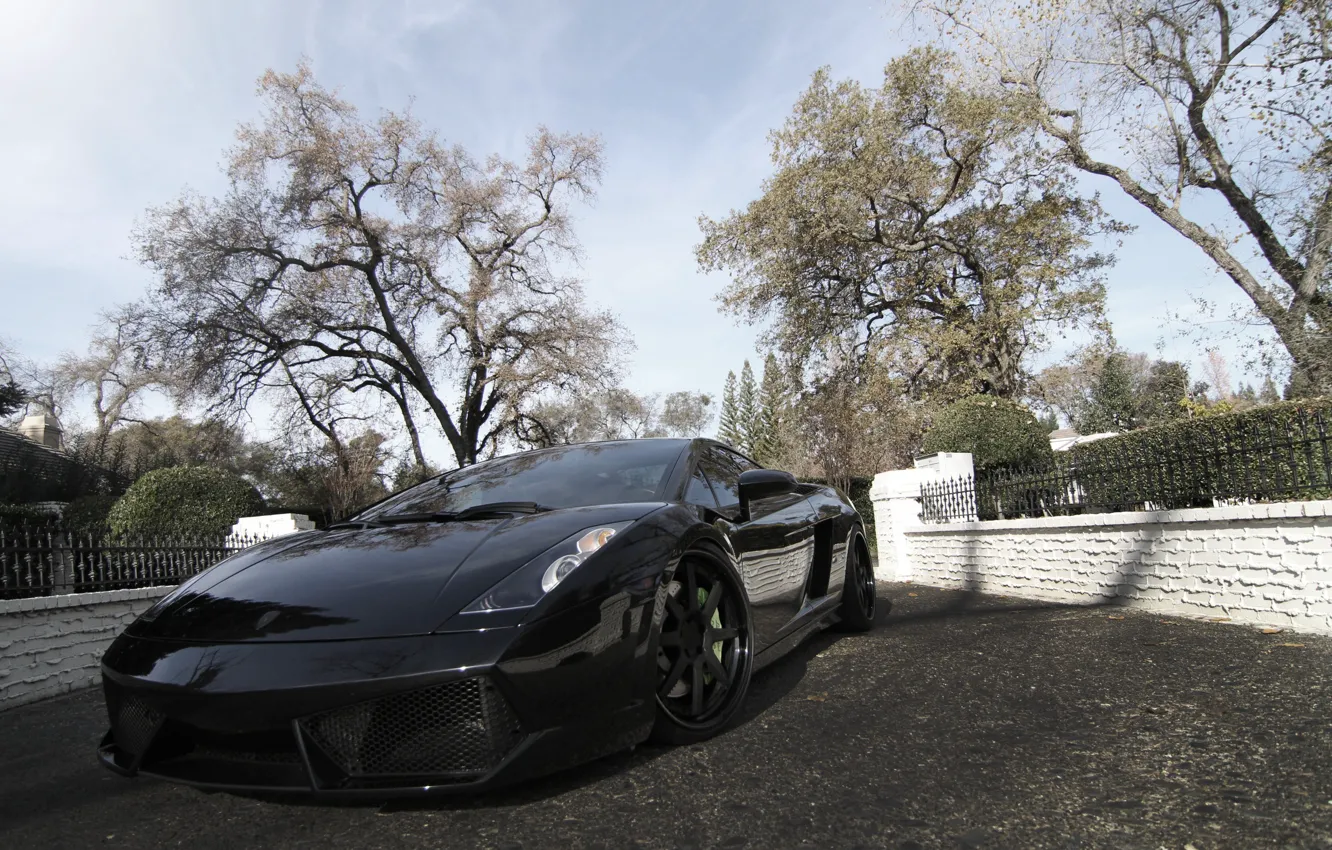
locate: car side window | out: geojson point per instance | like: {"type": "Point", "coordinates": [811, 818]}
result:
{"type": "Point", "coordinates": [699, 493]}
{"type": "Point", "coordinates": [724, 475]}
{"type": "Point", "coordinates": [741, 461]}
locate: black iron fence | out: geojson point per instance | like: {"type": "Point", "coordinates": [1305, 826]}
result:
{"type": "Point", "coordinates": [45, 559]}
{"type": "Point", "coordinates": [1224, 465]}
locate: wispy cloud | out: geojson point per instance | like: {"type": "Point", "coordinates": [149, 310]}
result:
{"type": "Point", "coordinates": [111, 108]}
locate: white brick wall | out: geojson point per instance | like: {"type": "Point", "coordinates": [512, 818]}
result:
{"type": "Point", "coordinates": [53, 644]}
{"type": "Point", "coordinates": [1266, 565]}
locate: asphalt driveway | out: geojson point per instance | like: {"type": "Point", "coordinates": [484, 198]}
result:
{"type": "Point", "coordinates": [960, 721]}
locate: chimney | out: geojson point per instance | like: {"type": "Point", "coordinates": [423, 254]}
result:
{"type": "Point", "coordinates": [42, 427]}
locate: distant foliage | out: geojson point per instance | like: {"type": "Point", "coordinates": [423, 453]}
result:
{"type": "Point", "coordinates": [184, 500]}
{"type": "Point", "coordinates": [998, 433]}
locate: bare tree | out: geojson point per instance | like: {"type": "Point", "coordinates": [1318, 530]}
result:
{"type": "Point", "coordinates": [616, 413]}
{"type": "Point", "coordinates": [1218, 374]}
{"type": "Point", "coordinates": [1182, 101]}
{"type": "Point", "coordinates": [115, 372]}
{"type": "Point", "coordinates": [685, 414]}
{"type": "Point", "coordinates": [369, 250]}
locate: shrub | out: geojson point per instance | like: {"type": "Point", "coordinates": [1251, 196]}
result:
{"type": "Point", "coordinates": [88, 514]}
{"type": "Point", "coordinates": [1279, 451]}
{"type": "Point", "coordinates": [998, 433]}
{"type": "Point", "coordinates": [21, 514]}
{"type": "Point", "coordinates": [184, 500]}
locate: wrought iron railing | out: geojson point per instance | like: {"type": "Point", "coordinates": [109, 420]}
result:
{"type": "Point", "coordinates": [49, 559]}
{"type": "Point", "coordinates": [1261, 462]}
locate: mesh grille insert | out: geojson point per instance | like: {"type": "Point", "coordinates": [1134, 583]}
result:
{"type": "Point", "coordinates": [136, 724]}
{"type": "Point", "coordinates": [458, 728]}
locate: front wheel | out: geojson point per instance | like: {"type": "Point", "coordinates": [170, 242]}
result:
{"type": "Point", "coordinates": [857, 608]}
{"type": "Point", "coordinates": [704, 652]}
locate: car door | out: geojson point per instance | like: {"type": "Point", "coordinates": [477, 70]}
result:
{"type": "Point", "coordinates": [774, 543]}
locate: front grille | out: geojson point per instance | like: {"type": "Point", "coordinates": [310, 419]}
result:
{"type": "Point", "coordinates": [461, 728]}
{"type": "Point", "coordinates": [135, 725]}
{"type": "Point", "coordinates": [276, 747]}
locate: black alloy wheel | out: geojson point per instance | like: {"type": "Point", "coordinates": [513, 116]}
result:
{"type": "Point", "coordinates": [704, 652]}
{"type": "Point", "coordinates": [857, 609]}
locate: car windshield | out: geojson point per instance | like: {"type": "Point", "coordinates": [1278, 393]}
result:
{"type": "Point", "coordinates": [562, 477]}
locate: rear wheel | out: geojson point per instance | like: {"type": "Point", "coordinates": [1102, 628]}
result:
{"type": "Point", "coordinates": [857, 608]}
{"type": "Point", "coordinates": [704, 653]}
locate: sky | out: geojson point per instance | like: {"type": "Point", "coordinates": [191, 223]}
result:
{"type": "Point", "coordinates": [111, 108]}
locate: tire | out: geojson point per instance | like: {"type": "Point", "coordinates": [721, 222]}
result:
{"type": "Point", "coordinates": [704, 652]}
{"type": "Point", "coordinates": [857, 608]}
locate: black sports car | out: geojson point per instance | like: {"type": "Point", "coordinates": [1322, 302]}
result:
{"type": "Point", "coordinates": [500, 621]}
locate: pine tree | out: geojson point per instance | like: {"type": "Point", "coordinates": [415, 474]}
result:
{"type": "Point", "coordinates": [1268, 394]}
{"type": "Point", "coordinates": [1112, 404]}
{"type": "Point", "coordinates": [747, 410]}
{"type": "Point", "coordinates": [1166, 386]}
{"type": "Point", "coordinates": [772, 401]}
{"type": "Point", "coordinates": [728, 429]}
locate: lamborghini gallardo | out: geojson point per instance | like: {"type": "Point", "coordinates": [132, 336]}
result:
{"type": "Point", "coordinates": [495, 623]}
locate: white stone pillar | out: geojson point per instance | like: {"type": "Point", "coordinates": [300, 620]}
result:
{"type": "Point", "coordinates": [896, 497]}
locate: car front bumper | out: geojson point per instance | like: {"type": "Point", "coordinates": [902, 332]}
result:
{"type": "Point", "coordinates": [452, 712]}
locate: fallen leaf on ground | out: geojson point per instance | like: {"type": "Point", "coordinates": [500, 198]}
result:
{"type": "Point", "coordinates": [913, 594]}
{"type": "Point", "coordinates": [1292, 645]}
{"type": "Point", "coordinates": [1220, 620]}
{"type": "Point", "coordinates": [817, 697]}
{"type": "Point", "coordinates": [1115, 617]}
{"type": "Point", "coordinates": [1271, 631]}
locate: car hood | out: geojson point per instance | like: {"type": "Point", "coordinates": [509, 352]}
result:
{"type": "Point", "coordinates": [364, 583]}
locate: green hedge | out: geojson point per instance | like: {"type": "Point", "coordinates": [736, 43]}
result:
{"type": "Point", "coordinates": [19, 514]}
{"type": "Point", "coordinates": [1273, 453]}
{"type": "Point", "coordinates": [184, 501]}
{"type": "Point", "coordinates": [996, 432]}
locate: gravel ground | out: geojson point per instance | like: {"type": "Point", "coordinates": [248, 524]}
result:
{"type": "Point", "coordinates": [960, 721]}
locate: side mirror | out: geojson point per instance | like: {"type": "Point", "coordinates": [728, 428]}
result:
{"type": "Point", "coordinates": [762, 484]}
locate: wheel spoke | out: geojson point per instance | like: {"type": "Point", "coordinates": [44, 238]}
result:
{"type": "Point", "coordinates": [697, 703]}
{"type": "Point", "coordinates": [691, 587]}
{"type": "Point", "coordinates": [714, 664]}
{"type": "Point", "coordinates": [715, 635]}
{"type": "Point", "coordinates": [674, 676]}
{"type": "Point", "coordinates": [714, 599]}
{"type": "Point", "coordinates": [675, 608]}
{"type": "Point", "coordinates": [670, 639]}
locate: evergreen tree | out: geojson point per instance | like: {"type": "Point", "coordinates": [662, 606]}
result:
{"type": "Point", "coordinates": [747, 410]}
{"type": "Point", "coordinates": [1269, 393]}
{"type": "Point", "coordinates": [1166, 386]}
{"type": "Point", "coordinates": [728, 430]}
{"type": "Point", "coordinates": [1112, 404]}
{"type": "Point", "coordinates": [12, 397]}
{"type": "Point", "coordinates": [1299, 386]}
{"type": "Point", "coordinates": [772, 403]}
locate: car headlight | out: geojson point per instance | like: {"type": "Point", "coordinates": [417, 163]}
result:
{"type": "Point", "coordinates": [529, 583]}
